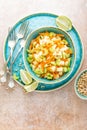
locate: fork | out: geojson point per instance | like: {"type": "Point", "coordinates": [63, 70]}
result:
{"type": "Point", "coordinates": [11, 45]}
{"type": "Point", "coordinates": [22, 35]}
{"type": "Point", "coordinates": [4, 69]}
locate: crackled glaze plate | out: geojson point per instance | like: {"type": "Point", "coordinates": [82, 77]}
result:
{"type": "Point", "coordinates": [36, 21]}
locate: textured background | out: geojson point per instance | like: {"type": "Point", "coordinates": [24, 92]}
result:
{"type": "Point", "coordinates": [58, 110]}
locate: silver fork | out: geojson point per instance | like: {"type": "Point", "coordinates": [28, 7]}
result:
{"type": "Point", "coordinates": [4, 69]}
{"type": "Point", "coordinates": [21, 35]}
{"type": "Point", "coordinates": [11, 44]}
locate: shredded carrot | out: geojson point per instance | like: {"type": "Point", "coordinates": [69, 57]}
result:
{"type": "Point", "coordinates": [68, 51]}
{"type": "Point", "coordinates": [42, 65]}
{"type": "Point", "coordinates": [63, 59]}
{"type": "Point", "coordinates": [60, 35]}
{"type": "Point", "coordinates": [55, 75]}
{"type": "Point", "coordinates": [47, 51]}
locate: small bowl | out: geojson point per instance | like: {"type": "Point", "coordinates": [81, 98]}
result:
{"type": "Point", "coordinates": [81, 96]}
{"type": "Point", "coordinates": [32, 36]}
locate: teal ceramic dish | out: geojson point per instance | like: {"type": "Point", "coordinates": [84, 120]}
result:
{"type": "Point", "coordinates": [36, 21]}
{"type": "Point", "coordinates": [32, 36]}
{"type": "Point", "coordinates": [81, 96]}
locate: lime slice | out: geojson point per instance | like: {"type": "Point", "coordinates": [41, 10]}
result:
{"type": "Point", "coordinates": [31, 87]}
{"type": "Point", "coordinates": [25, 77]}
{"type": "Point", "coordinates": [64, 23]}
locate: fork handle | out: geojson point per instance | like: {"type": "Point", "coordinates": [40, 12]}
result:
{"type": "Point", "coordinates": [17, 55]}
{"type": "Point", "coordinates": [8, 59]}
{"type": "Point", "coordinates": [12, 62]}
{"type": "Point", "coordinates": [5, 64]}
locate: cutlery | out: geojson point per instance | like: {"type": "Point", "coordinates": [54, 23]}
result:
{"type": "Point", "coordinates": [5, 62]}
{"type": "Point", "coordinates": [11, 45]}
{"type": "Point", "coordinates": [12, 41]}
{"type": "Point", "coordinates": [22, 35]}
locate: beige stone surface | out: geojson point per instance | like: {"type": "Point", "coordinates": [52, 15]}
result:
{"type": "Point", "coordinates": [58, 110]}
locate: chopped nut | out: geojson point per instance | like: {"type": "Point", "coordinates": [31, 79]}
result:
{"type": "Point", "coordinates": [82, 84]}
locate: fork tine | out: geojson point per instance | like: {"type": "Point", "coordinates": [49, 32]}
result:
{"type": "Point", "coordinates": [26, 34]}
{"type": "Point", "coordinates": [14, 35]}
{"type": "Point", "coordinates": [24, 27]}
{"type": "Point", "coordinates": [11, 34]}
{"type": "Point", "coordinates": [26, 30]}
{"type": "Point", "coordinates": [21, 27]}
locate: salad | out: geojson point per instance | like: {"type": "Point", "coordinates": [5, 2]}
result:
{"type": "Point", "coordinates": [49, 55]}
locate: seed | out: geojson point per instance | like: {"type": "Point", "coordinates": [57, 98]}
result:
{"type": "Point", "coordinates": [82, 84]}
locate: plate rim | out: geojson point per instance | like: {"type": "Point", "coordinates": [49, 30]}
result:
{"type": "Point", "coordinates": [54, 15]}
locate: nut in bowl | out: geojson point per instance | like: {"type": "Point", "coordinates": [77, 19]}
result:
{"type": "Point", "coordinates": [81, 85]}
{"type": "Point", "coordinates": [49, 55]}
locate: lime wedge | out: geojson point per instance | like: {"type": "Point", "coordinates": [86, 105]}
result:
{"type": "Point", "coordinates": [31, 87]}
{"type": "Point", "coordinates": [25, 77]}
{"type": "Point", "coordinates": [64, 23]}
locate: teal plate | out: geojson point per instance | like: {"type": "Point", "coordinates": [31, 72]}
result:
{"type": "Point", "coordinates": [36, 21]}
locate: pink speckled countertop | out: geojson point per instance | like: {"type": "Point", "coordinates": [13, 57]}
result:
{"type": "Point", "coordinates": [58, 110]}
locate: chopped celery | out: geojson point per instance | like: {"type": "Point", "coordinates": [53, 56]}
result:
{"type": "Point", "coordinates": [67, 63]}
{"type": "Point", "coordinates": [38, 71]}
{"type": "Point", "coordinates": [68, 68]}
{"type": "Point", "coordinates": [49, 76]}
{"type": "Point", "coordinates": [53, 63]}
{"type": "Point", "coordinates": [65, 42]}
{"type": "Point", "coordinates": [65, 55]}
{"type": "Point", "coordinates": [45, 70]}
{"type": "Point", "coordinates": [43, 57]}
{"type": "Point", "coordinates": [29, 59]}
{"type": "Point", "coordinates": [70, 50]}
{"type": "Point", "coordinates": [30, 56]}
{"type": "Point", "coordinates": [65, 69]}
{"type": "Point", "coordinates": [28, 50]}
{"type": "Point", "coordinates": [31, 65]}
{"type": "Point", "coordinates": [58, 62]}
{"type": "Point", "coordinates": [52, 34]}
{"type": "Point", "coordinates": [39, 59]}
